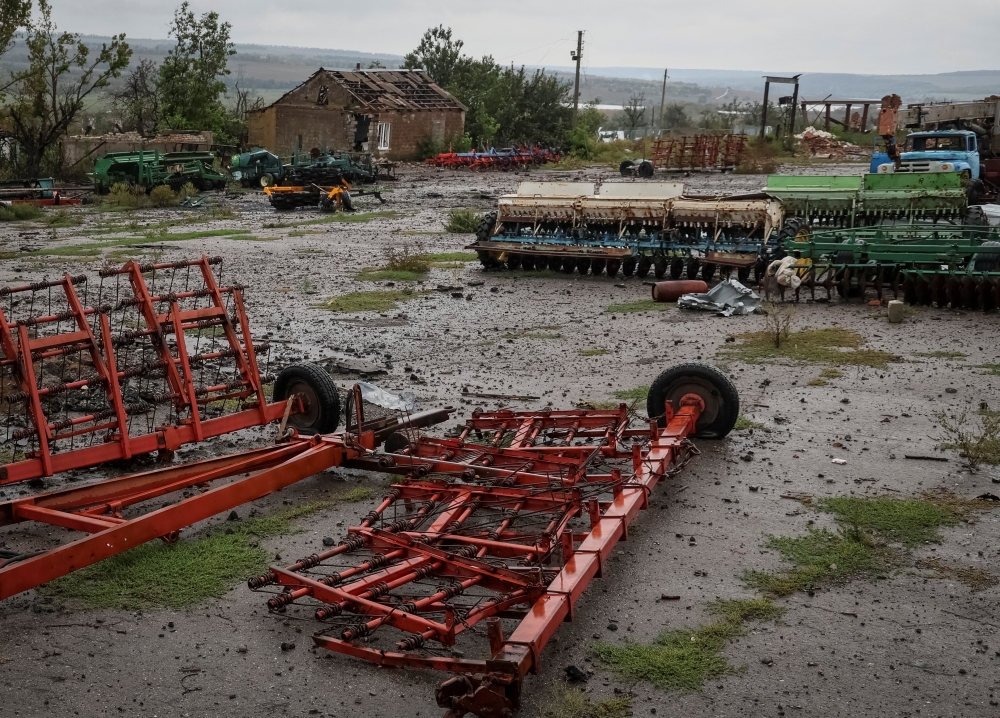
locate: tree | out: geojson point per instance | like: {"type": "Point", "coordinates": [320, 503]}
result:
{"type": "Point", "coordinates": [137, 101]}
{"type": "Point", "coordinates": [50, 95]}
{"type": "Point", "coordinates": [635, 110]}
{"type": "Point", "coordinates": [191, 88]}
{"type": "Point", "coordinates": [437, 53]}
{"type": "Point", "coordinates": [14, 15]}
{"type": "Point", "coordinates": [505, 105]}
{"type": "Point", "coordinates": [674, 116]}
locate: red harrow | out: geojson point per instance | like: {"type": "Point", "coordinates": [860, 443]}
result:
{"type": "Point", "coordinates": [503, 525]}
{"type": "Point", "coordinates": [506, 159]}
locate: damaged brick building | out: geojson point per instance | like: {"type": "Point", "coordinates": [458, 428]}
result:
{"type": "Point", "coordinates": [386, 112]}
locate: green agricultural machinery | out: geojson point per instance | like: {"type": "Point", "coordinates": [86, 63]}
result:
{"type": "Point", "coordinates": [942, 265]}
{"type": "Point", "coordinates": [151, 168]}
{"type": "Point", "coordinates": [262, 168]}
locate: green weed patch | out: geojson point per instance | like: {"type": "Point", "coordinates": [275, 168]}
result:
{"type": "Point", "coordinates": [833, 346]}
{"type": "Point", "coordinates": [369, 301]}
{"type": "Point", "coordinates": [462, 221]}
{"type": "Point", "coordinates": [185, 573]}
{"type": "Point", "coordinates": [683, 659]}
{"type": "Point", "coordinates": [574, 703]}
{"type": "Point", "coordinates": [638, 393]}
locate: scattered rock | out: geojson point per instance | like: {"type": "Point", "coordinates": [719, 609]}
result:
{"type": "Point", "coordinates": [575, 675]}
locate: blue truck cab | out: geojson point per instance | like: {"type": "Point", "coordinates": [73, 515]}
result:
{"type": "Point", "coordinates": [933, 151]}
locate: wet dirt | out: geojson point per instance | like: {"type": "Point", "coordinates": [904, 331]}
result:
{"type": "Point", "coordinates": [908, 645]}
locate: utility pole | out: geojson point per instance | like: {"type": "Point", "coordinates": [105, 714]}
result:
{"type": "Point", "coordinates": [663, 95]}
{"type": "Point", "coordinates": [577, 56]}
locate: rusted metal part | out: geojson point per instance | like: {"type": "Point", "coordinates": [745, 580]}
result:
{"type": "Point", "coordinates": [222, 483]}
{"type": "Point", "coordinates": [167, 361]}
{"type": "Point", "coordinates": [510, 521]}
{"type": "Point", "coordinates": [699, 152]}
{"type": "Point", "coordinates": [511, 158]}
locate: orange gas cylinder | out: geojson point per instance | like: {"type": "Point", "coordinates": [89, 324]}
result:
{"type": "Point", "coordinates": [671, 291]}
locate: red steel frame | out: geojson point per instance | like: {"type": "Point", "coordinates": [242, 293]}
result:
{"type": "Point", "coordinates": [699, 151]}
{"type": "Point", "coordinates": [99, 509]}
{"type": "Point", "coordinates": [458, 519]}
{"type": "Point", "coordinates": [21, 353]}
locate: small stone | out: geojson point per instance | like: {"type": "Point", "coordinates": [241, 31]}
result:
{"type": "Point", "coordinates": [845, 400]}
{"type": "Point", "coordinates": [233, 516]}
{"type": "Point", "coordinates": [612, 627]}
{"type": "Point", "coordinates": [833, 567]}
{"type": "Point", "coordinates": [287, 646]}
{"type": "Point", "coordinates": [753, 488]}
{"type": "Point", "coordinates": [895, 311]}
{"type": "Point", "coordinates": [327, 541]}
{"type": "Point", "coordinates": [951, 390]}
{"type": "Point", "coordinates": [767, 661]}
{"type": "Point", "coordinates": [575, 675]}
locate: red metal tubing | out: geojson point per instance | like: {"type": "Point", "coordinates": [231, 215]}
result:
{"type": "Point", "coordinates": [672, 290]}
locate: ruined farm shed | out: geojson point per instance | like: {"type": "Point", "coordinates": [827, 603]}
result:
{"type": "Point", "coordinates": [386, 112]}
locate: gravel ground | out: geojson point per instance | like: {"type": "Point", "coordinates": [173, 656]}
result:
{"type": "Point", "coordinates": [909, 645]}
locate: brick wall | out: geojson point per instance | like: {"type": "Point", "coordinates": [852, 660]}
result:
{"type": "Point", "coordinates": [301, 121]}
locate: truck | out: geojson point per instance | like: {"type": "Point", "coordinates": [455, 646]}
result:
{"type": "Point", "coordinates": [959, 137]}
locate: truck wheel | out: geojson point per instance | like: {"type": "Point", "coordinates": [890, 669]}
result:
{"type": "Point", "coordinates": [266, 179]}
{"type": "Point", "coordinates": [975, 191]}
{"type": "Point", "coordinates": [722, 402]}
{"type": "Point", "coordinates": [346, 198]}
{"type": "Point", "coordinates": [485, 229]}
{"type": "Point", "coordinates": [319, 394]}
{"type": "Point", "coordinates": [646, 169]}
{"type": "Point", "coordinates": [626, 168]}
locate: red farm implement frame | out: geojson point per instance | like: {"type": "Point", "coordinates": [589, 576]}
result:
{"type": "Point", "coordinates": [699, 152]}
{"type": "Point", "coordinates": [512, 158]}
{"type": "Point", "coordinates": [511, 525]}
{"type": "Point", "coordinates": [150, 366]}
{"type": "Point", "coordinates": [503, 525]}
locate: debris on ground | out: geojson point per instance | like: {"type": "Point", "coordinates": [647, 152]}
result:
{"type": "Point", "coordinates": [821, 143]}
{"type": "Point", "coordinates": [726, 298]}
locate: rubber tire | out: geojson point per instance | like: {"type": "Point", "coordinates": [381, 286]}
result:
{"type": "Point", "coordinates": [628, 266]}
{"type": "Point", "coordinates": [660, 267]}
{"type": "Point", "coordinates": [642, 268]}
{"type": "Point", "coordinates": [711, 425]}
{"type": "Point", "coordinates": [676, 268]}
{"type": "Point", "coordinates": [319, 381]}
{"type": "Point", "coordinates": [626, 168]}
{"type": "Point", "coordinates": [645, 169]}
{"type": "Point", "coordinates": [485, 229]}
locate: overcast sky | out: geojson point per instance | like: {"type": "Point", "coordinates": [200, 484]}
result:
{"type": "Point", "coordinates": [862, 36]}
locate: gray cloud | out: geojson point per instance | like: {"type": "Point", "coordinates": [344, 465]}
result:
{"type": "Point", "coordinates": [874, 37]}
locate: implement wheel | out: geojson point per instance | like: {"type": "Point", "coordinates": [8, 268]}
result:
{"type": "Point", "coordinates": [319, 395]}
{"type": "Point", "coordinates": [660, 267]}
{"type": "Point", "coordinates": [722, 402]}
{"type": "Point", "coordinates": [513, 262]}
{"type": "Point", "coordinates": [613, 266]}
{"type": "Point", "coordinates": [568, 265]}
{"type": "Point", "coordinates": [692, 268]}
{"type": "Point", "coordinates": [676, 268]}
{"type": "Point", "coordinates": [642, 269]}
{"type": "Point", "coordinates": [628, 266]}
{"type": "Point", "coordinates": [597, 266]}
{"type": "Point", "coordinates": [707, 271]}
{"type": "Point", "coordinates": [583, 266]}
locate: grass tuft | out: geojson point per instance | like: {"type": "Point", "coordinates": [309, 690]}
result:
{"type": "Point", "coordinates": [462, 221]}
{"type": "Point", "coordinates": [683, 659]}
{"type": "Point", "coordinates": [834, 346]}
{"type": "Point", "coordinates": [369, 301]}
{"type": "Point", "coordinates": [743, 424]}
{"type": "Point", "coordinates": [910, 522]}
{"type": "Point", "coordinates": [644, 305]}
{"type": "Point", "coordinates": [575, 703]}
{"type": "Point", "coordinates": [977, 441]}
{"type": "Point", "coordinates": [452, 257]}
{"type": "Point", "coordinates": [594, 352]}
{"type": "Point", "coordinates": [19, 212]}
{"type": "Point", "coordinates": [977, 579]}
{"type": "Point", "coordinates": [821, 557]}
{"type": "Point", "coordinates": [639, 393]}
{"type": "Point", "coordinates": [183, 574]}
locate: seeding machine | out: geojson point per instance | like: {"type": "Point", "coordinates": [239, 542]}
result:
{"type": "Point", "coordinates": [635, 227]}
{"type": "Point", "coordinates": [505, 159]}
{"type": "Point", "coordinates": [956, 266]}
{"type": "Point", "coordinates": [485, 544]}
{"type": "Point", "coordinates": [328, 198]}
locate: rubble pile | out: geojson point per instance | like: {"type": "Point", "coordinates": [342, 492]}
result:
{"type": "Point", "coordinates": [823, 144]}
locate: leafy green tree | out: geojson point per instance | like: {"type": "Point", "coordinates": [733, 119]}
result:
{"type": "Point", "coordinates": [191, 85]}
{"type": "Point", "coordinates": [674, 116]}
{"type": "Point", "coordinates": [582, 138]}
{"type": "Point", "coordinates": [137, 101]}
{"type": "Point", "coordinates": [506, 105]}
{"type": "Point", "coordinates": [50, 95]}
{"type": "Point", "coordinates": [14, 15]}
{"type": "Point", "coordinates": [437, 53]}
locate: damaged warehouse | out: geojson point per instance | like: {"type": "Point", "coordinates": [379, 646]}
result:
{"type": "Point", "coordinates": [386, 112]}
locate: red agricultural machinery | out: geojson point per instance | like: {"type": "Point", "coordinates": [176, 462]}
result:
{"type": "Point", "coordinates": [504, 523]}
{"type": "Point", "coordinates": [505, 159]}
